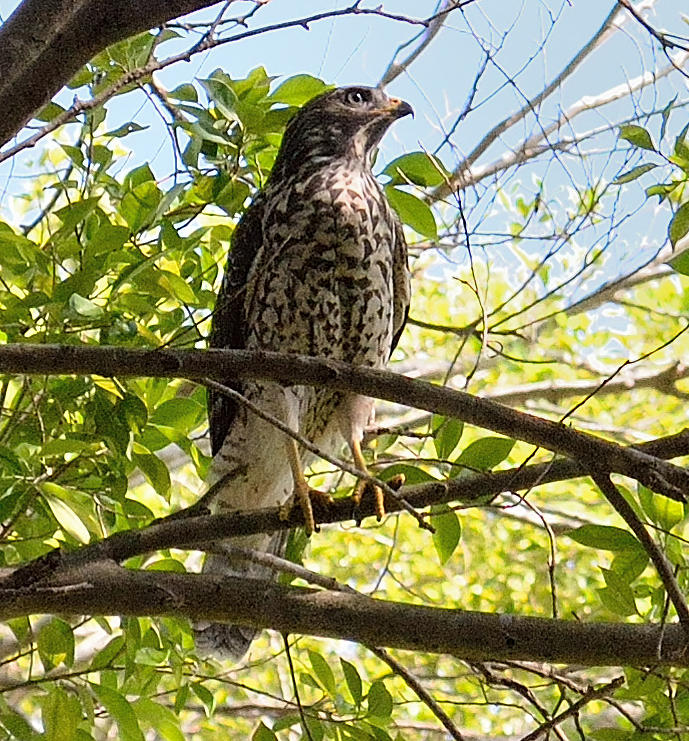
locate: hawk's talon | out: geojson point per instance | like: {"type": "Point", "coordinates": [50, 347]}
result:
{"type": "Point", "coordinates": [364, 490]}
{"type": "Point", "coordinates": [309, 500]}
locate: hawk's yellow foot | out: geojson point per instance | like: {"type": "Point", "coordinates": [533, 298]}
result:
{"type": "Point", "coordinates": [304, 496]}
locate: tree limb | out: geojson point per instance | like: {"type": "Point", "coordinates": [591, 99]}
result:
{"type": "Point", "coordinates": [590, 451]}
{"type": "Point", "coordinates": [469, 635]}
{"type": "Point", "coordinates": [44, 42]}
{"type": "Point", "coordinates": [193, 527]}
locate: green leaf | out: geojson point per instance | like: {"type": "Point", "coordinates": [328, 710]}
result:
{"type": "Point", "coordinates": [139, 205]}
{"type": "Point", "coordinates": [446, 434]}
{"type": "Point", "coordinates": [84, 307]}
{"type": "Point", "coordinates": [379, 700]}
{"type": "Point", "coordinates": [617, 596]}
{"type": "Point", "coordinates": [323, 672]}
{"type": "Point", "coordinates": [661, 510]}
{"type": "Point", "coordinates": [155, 471]}
{"type": "Point", "coordinates": [634, 173]}
{"type": "Point", "coordinates": [680, 264]}
{"type": "Point", "coordinates": [75, 213]}
{"type": "Point", "coordinates": [665, 116]}
{"type": "Point", "coordinates": [121, 711]}
{"type": "Point", "coordinates": [447, 531]}
{"type": "Point", "coordinates": [413, 212]}
{"type": "Point", "coordinates": [19, 729]}
{"type": "Point", "coordinates": [263, 733]}
{"type": "Point", "coordinates": [66, 517]}
{"type": "Point", "coordinates": [176, 287]}
{"type": "Point", "coordinates": [419, 168]}
{"type": "Point", "coordinates": [298, 89]}
{"type": "Point", "coordinates": [637, 135]}
{"type": "Point", "coordinates": [132, 411]}
{"type": "Point", "coordinates": [180, 412]}
{"type": "Point", "coordinates": [186, 92]}
{"type": "Point", "coordinates": [630, 564]}
{"type": "Point", "coordinates": [206, 697]}
{"type": "Point", "coordinates": [604, 537]}
{"type": "Point", "coordinates": [353, 680]}
{"type": "Point", "coordinates": [49, 112]}
{"type": "Point", "coordinates": [679, 225]}
{"type": "Point", "coordinates": [55, 643]}
{"type": "Point", "coordinates": [159, 717]}
{"type": "Point", "coordinates": [128, 128]}
{"type": "Point", "coordinates": [60, 714]}
{"type": "Point", "coordinates": [108, 653]}
{"type": "Point", "coordinates": [221, 93]}
{"type": "Point", "coordinates": [412, 474]}
{"type": "Point", "coordinates": [485, 453]}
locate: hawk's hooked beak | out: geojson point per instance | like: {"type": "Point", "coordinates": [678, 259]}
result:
{"type": "Point", "coordinates": [398, 108]}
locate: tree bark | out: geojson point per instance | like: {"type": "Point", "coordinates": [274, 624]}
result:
{"type": "Point", "coordinates": [475, 636]}
{"type": "Point", "coordinates": [44, 42]}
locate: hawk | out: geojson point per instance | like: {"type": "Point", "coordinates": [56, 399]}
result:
{"type": "Point", "coordinates": [318, 266]}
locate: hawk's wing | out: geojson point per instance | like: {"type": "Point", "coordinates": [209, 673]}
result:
{"type": "Point", "coordinates": [228, 330]}
{"type": "Point", "coordinates": [400, 281]}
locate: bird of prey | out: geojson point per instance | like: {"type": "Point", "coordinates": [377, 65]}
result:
{"type": "Point", "coordinates": [317, 266]}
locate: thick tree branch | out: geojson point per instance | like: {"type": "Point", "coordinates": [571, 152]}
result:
{"type": "Point", "coordinates": [473, 636]}
{"type": "Point", "coordinates": [44, 42]}
{"type": "Point", "coordinates": [590, 451]}
{"type": "Point", "coordinates": [193, 528]}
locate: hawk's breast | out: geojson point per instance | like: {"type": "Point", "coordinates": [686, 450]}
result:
{"type": "Point", "coordinates": [322, 284]}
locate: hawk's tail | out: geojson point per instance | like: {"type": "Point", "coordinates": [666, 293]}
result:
{"type": "Point", "coordinates": [233, 641]}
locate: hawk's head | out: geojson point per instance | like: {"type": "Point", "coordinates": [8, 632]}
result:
{"type": "Point", "coordinates": [346, 122]}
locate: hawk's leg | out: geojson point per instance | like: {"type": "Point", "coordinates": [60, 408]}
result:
{"type": "Point", "coordinates": [304, 495]}
{"type": "Point", "coordinates": [363, 487]}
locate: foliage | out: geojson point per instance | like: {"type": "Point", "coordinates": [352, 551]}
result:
{"type": "Point", "coordinates": [114, 256]}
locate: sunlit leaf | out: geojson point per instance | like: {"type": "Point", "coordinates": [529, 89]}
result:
{"type": "Point", "coordinates": [604, 537]}
{"type": "Point", "coordinates": [485, 453]}
{"type": "Point", "coordinates": [446, 434]}
{"type": "Point", "coordinates": [679, 225]}
{"type": "Point", "coordinates": [413, 212]}
{"type": "Point", "coordinates": [637, 135]}
{"type": "Point", "coordinates": [121, 711]}
{"type": "Point", "coordinates": [298, 89]}
{"type": "Point", "coordinates": [447, 531]}
{"type": "Point", "coordinates": [419, 168]}
{"type": "Point", "coordinates": [379, 700]}
{"type": "Point", "coordinates": [353, 680]}
{"type": "Point", "coordinates": [323, 672]}
{"type": "Point", "coordinates": [634, 173]}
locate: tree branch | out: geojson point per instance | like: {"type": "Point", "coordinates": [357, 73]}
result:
{"type": "Point", "coordinates": [44, 42]}
{"type": "Point", "coordinates": [193, 527]}
{"type": "Point", "coordinates": [456, 180]}
{"type": "Point", "coordinates": [590, 451]}
{"type": "Point", "coordinates": [469, 635]}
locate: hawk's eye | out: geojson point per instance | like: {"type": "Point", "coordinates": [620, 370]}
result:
{"type": "Point", "coordinates": [358, 96]}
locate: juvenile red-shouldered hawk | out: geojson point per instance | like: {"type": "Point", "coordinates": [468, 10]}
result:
{"type": "Point", "coordinates": [318, 266]}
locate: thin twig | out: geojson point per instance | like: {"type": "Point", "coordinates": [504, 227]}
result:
{"type": "Point", "coordinates": [593, 694]}
{"type": "Point", "coordinates": [312, 577]}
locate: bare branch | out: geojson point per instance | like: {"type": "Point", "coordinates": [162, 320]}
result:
{"type": "Point", "coordinates": [593, 694]}
{"type": "Point", "coordinates": [456, 180]}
